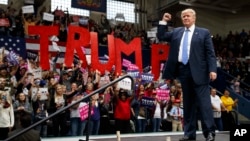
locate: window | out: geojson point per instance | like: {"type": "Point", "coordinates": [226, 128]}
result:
{"type": "Point", "coordinates": [4, 2]}
{"type": "Point", "coordinates": [64, 4]}
{"type": "Point", "coordinates": [118, 7]}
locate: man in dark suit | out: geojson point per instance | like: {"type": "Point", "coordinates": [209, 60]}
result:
{"type": "Point", "coordinates": [192, 61]}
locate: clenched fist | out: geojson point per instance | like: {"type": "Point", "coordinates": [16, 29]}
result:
{"type": "Point", "coordinates": [166, 17]}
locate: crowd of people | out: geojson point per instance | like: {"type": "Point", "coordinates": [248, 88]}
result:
{"type": "Point", "coordinates": [23, 92]}
{"type": "Point", "coordinates": [114, 109]}
{"type": "Point", "coordinates": [18, 26]}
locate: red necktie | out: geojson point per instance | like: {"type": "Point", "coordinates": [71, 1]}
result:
{"type": "Point", "coordinates": [178, 112]}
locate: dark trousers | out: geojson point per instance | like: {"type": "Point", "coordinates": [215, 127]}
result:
{"type": "Point", "coordinates": [59, 125]}
{"type": "Point", "coordinates": [122, 125]}
{"type": "Point", "coordinates": [218, 123]}
{"type": "Point", "coordinates": [4, 133]}
{"type": "Point", "coordinates": [227, 120]}
{"type": "Point", "coordinates": [195, 97]}
{"type": "Point", "coordinates": [104, 126]}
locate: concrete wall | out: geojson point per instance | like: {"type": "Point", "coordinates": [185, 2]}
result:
{"type": "Point", "coordinates": [222, 23]}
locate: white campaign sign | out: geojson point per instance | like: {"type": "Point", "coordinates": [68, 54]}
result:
{"type": "Point", "coordinates": [28, 9]}
{"type": "Point", "coordinates": [43, 92]}
{"type": "Point", "coordinates": [48, 17]}
{"type": "Point", "coordinates": [37, 73]}
{"type": "Point", "coordinates": [125, 84]}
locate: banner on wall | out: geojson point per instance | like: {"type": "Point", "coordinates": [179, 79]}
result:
{"type": "Point", "coordinates": [92, 5]}
{"type": "Point", "coordinates": [4, 22]}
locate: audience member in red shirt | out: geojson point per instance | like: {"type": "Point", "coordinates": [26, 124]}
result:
{"type": "Point", "coordinates": [122, 112]}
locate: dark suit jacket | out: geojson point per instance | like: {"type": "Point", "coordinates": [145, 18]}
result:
{"type": "Point", "coordinates": [202, 59]}
{"type": "Point", "coordinates": [31, 135]}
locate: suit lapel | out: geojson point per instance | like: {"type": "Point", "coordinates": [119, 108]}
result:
{"type": "Point", "coordinates": [194, 38]}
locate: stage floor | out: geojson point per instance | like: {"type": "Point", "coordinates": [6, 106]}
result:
{"type": "Point", "coordinates": [159, 136]}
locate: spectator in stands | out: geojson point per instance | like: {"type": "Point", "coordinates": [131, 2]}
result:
{"type": "Point", "coordinates": [4, 30]}
{"type": "Point", "coordinates": [227, 116]}
{"type": "Point", "coordinates": [105, 106]}
{"type": "Point", "coordinates": [40, 107]}
{"type": "Point", "coordinates": [20, 106]}
{"type": "Point", "coordinates": [177, 115]}
{"type": "Point", "coordinates": [227, 68]}
{"type": "Point", "coordinates": [157, 112]}
{"type": "Point", "coordinates": [18, 30]}
{"type": "Point", "coordinates": [31, 135]}
{"type": "Point", "coordinates": [63, 33]}
{"type": "Point", "coordinates": [140, 113]}
{"type": "Point", "coordinates": [74, 90]}
{"type": "Point", "coordinates": [217, 106]}
{"type": "Point", "coordinates": [236, 85]}
{"type": "Point", "coordinates": [167, 123]}
{"type": "Point", "coordinates": [29, 21]}
{"type": "Point", "coordinates": [77, 124]}
{"type": "Point", "coordinates": [57, 101]}
{"type": "Point", "coordinates": [23, 79]}
{"type": "Point", "coordinates": [96, 116]}
{"type": "Point", "coordinates": [67, 76]}
{"type": "Point", "coordinates": [4, 71]}
{"type": "Point", "coordinates": [173, 90]}
{"type": "Point", "coordinates": [140, 89]}
{"type": "Point", "coordinates": [149, 88]}
{"type": "Point", "coordinates": [6, 112]}
{"type": "Point", "coordinates": [122, 111]}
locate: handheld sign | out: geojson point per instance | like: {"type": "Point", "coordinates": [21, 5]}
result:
{"type": "Point", "coordinates": [48, 17]}
{"type": "Point", "coordinates": [125, 84]}
{"type": "Point", "coordinates": [28, 9]}
{"type": "Point", "coordinates": [83, 110]}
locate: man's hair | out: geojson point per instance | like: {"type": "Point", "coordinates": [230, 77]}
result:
{"type": "Point", "coordinates": [189, 10]}
{"type": "Point", "coordinates": [25, 119]}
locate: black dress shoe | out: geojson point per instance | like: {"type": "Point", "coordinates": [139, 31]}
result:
{"type": "Point", "coordinates": [187, 139]}
{"type": "Point", "coordinates": [210, 137]}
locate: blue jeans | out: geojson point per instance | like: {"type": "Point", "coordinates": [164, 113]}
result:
{"type": "Point", "coordinates": [42, 128]}
{"type": "Point", "coordinates": [141, 125]}
{"type": "Point", "coordinates": [77, 126]}
{"type": "Point", "coordinates": [94, 127]}
{"type": "Point", "coordinates": [156, 123]}
{"type": "Point", "coordinates": [218, 123]}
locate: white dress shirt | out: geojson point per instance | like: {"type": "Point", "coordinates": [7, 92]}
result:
{"type": "Point", "coordinates": [190, 35]}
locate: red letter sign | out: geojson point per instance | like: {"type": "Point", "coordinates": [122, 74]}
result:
{"type": "Point", "coordinates": [95, 63]}
{"type": "Point", "coordinates": [76, 44]}
{"type": "Point", "coordinates": [159, 53]}
{"type": "Point", "coordinates": [45, 32]}
{"type": "Point", "coordinates": [127, 49]}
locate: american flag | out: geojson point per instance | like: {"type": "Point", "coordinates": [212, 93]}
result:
{"type": "Point", "coordinates": [15, 44]}
{"type": "Point", "coordinates": [29, 49]}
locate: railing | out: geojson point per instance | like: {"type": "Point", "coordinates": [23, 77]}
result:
{"type": "Point", "coordinates": [243, 85]}
{"type": "Point", "coordinates": [244, 99]}
{"type": "Point", "coordinates": [243, 104]}
{"type": "Point", "coordinates": [72, 104]}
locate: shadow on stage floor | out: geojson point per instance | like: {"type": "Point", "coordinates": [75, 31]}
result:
{"type": "Point", "coordinates": [159, 136]}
